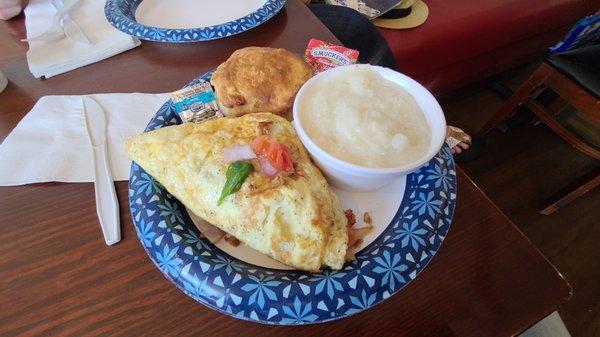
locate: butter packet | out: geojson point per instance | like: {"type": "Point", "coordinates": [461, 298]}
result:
{"type": "Point", "coordinates": [196, 103]}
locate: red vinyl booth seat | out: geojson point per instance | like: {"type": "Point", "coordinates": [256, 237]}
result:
{"type": "Point", "coordinates": [464, 40]}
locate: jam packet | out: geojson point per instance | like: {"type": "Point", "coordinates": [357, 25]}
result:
{"type": "Point", "coordinates": [196, 103]}
{"type": "Point", "coordinates": [322, 55]}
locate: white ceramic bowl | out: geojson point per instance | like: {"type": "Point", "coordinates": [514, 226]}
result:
{"type": "Point", "coordinates": [352, 177]}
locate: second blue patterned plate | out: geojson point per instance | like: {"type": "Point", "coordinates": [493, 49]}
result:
{"type": "Point", "coordinates": [411, 218]}
{"type": "Point", "coordinates": [122, 15]}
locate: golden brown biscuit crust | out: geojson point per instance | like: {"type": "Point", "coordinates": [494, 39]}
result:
{"type": "Point", "coordinates": [258, 79]}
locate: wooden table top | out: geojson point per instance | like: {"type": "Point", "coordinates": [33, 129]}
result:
{"type": "Point", "coordinates": [57, 277]}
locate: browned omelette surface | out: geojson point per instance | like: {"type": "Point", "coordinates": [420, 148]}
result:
{"type": "Point", "coordinates": [256, 79]}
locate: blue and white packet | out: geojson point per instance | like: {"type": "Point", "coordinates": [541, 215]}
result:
{"type": "Point", "coordinates": [196, 103]}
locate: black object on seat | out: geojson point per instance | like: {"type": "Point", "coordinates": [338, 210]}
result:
{"type": "Point", "coordinates": [355, 31]}
{"type": "Point", "coordinates": [581, 65]}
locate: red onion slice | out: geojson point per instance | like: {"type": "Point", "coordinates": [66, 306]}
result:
{"type": "Point", "coordinates": [237, 153]}
{"type": "Point", "coordinates": [266, 166]}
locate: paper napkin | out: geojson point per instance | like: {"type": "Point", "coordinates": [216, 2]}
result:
{"type": "Point", "coordinates": [51, 142]}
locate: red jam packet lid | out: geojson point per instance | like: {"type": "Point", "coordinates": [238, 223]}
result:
{"type": "Point", "coordinates": [322, 55]}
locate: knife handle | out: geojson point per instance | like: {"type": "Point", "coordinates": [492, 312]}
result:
{"type": "Point", "coordinates": [106, 197]}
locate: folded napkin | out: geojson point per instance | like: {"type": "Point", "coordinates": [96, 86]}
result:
{"type": "Point", "coordinates": [51, 142]}
{"type": "Point", "coordinates": [49, 58]}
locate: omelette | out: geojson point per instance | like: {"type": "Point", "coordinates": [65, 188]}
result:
{"type": "Point", "coordinates": [294, 218]}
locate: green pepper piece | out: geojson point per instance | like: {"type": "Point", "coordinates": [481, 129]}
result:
{"type": "Point", "coordinates": [236, 175]}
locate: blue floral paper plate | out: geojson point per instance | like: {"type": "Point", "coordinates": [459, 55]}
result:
{"type": "Point", "coordinates": [121, 14]}
{"type": "Point", "coordinates": [289, 297]}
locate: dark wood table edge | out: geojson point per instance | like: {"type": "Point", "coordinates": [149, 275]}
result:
{"type": "Point", "coordinates": [568, 284]}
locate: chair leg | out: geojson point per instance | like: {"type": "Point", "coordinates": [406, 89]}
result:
{"type": "Point", "coordinates": [509, 107]}
{"type": "Point", "coordinates": [578, 97]}
{"type": "Point", "coordinates": [572, 192]}
{"type": "Point", "coordinates": [556, 106]}
{"type": "Point", "coordinates": [559, 129]}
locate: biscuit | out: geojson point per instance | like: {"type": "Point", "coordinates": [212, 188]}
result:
{"type": "Point", "coordinates": [258, 79]}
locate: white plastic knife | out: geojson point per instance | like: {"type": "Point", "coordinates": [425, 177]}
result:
{"type": "Point", "coordinates": [106, 198]}
{"type": "Point", "coordinates": [62, 24]}
{"type": "Point", "coordinates": [70, 27]}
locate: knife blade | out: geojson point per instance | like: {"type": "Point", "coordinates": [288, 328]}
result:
{"type": "Point", "coordinates": [73, 31]}
{"type": "Point", "coordinates": [107, 205]}
{"type": "Point", "coordinates": [57, 29]}
{"type": "Point", "coordinates": [70, 27]}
